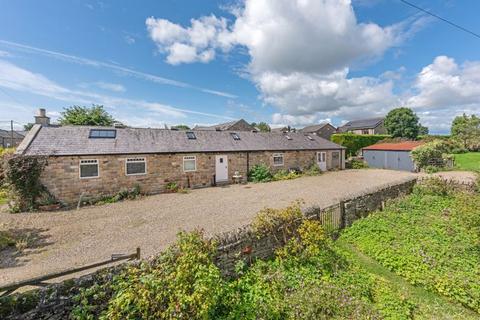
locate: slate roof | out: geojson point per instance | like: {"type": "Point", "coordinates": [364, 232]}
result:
{"type": "Point", "coordinates": [395, 146]}
{"type": "Point", "coordinates": [361, 124]}
{"type": "Point", "coordinates": [221, 126]}
{"type": "Point", "coordinates": [7, 134]}
{"type": "Point", "coordinates": [315, 127]}
{"type": "Point", "coordinates": [74, 140]}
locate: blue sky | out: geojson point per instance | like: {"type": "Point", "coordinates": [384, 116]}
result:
{"type": "Point", "coordinates": [152, 63]}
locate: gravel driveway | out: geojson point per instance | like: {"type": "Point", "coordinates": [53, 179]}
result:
{"type": "Point", "coordinates": [74, 238]}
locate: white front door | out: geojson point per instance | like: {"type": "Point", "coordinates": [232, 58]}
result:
{"type": "Point", "coordinates": [221, 168]}
{"type": "Point", "coordinates": [322, 160]}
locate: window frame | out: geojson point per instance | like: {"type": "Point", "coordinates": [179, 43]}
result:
{"type": "Point", "coordinates": [190, 158]}
{"type": "Point", "coordinates": [90, 136]}
{"type": "Point", "coordinates": [135, 160]}
{"type": "Point", "coordinates": [235, 136]}
{"type": "Point", "coordinates": [80, 168]}
{"type": "Point", "coordinates": [320, 155]}
{"type": "Point", "coordinates": [278, 155]}
{"type": "Point", "coordinates": [191, 135]}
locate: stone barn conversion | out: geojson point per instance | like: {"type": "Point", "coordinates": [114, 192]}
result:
{"type": "Point", "coordinates": [100, 161]}
{"type": "Point", "coordinates": [394, 156]}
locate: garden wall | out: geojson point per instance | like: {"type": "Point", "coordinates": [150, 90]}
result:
{"type": "Point", "coordinates": [55, 301]}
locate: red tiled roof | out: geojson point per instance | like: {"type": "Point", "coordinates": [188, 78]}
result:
{"type": "Point", "coordinates": [395, 146]}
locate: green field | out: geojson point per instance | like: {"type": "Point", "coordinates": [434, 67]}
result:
{"type": "Point", "coordinates": [3, 196]}
{"type": "Point", "coordinates": [468, 161]}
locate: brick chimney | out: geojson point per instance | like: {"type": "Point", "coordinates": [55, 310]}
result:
{"type": "Point", "coordinates": [42, 118]}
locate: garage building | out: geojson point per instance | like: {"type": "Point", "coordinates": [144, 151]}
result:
{"type": "Point", "coordinates": [393, 156]}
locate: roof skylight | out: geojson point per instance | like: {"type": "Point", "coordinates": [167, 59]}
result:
{"type": "Point", "coordinates": [235, 136]}
{"type": "Point", "coordinates": [103, 133]}
{"type": "Point", "coordinates": [191, 135]}
{"type": "Point", "coordinates": [288, 137]}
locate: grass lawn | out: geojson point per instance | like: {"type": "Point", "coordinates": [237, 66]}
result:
{"type": "Point", "coordinates": [468, 161]}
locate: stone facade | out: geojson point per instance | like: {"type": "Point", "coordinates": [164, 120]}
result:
{"type": "Point", "coordinates": [62, 178]}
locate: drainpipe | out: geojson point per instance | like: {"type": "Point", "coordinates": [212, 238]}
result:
{"type": "Point", "coordinates": [248, 163]}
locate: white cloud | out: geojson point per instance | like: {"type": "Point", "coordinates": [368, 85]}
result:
{"type": "Point", "coordinates": [19, 79]}
{"type": "Point", "coordinates": [129, 39]}
{"type": "Point", "coordinates": [300, 54]}
{"type": "Point", "coordinates": [196, 43]}
{"type": "Point", "coordinates": [113, 67]}
{"type": "Point", "coordinates": [115, 87]}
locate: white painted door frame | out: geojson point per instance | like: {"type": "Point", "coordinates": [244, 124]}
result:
{"type": "Point", "coordinates": [322, 160]}
{"type": "Point", "coordinates": [221, 168]}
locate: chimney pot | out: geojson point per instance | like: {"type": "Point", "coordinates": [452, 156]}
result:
{"type": "Point", "coordinates": [42, 118]}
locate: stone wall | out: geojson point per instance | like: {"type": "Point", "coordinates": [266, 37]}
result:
{"type": "Point", "coordinates": [61, 175]}
{"type": "Point", "coordinates": [55, 301]}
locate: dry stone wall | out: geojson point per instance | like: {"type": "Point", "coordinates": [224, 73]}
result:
{"type": "Point", "coordinates": [55, 301]}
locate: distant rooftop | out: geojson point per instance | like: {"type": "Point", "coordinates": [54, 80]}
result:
{"type": "Point", "coordinates": [315, 127]}
{"type": "Point", "coordinates": [395, 146]}
{"type": "Point", "coordinates": [361, 124]}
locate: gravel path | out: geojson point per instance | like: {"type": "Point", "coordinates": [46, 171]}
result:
{"type": "Point", "coordinates": [74, 238]}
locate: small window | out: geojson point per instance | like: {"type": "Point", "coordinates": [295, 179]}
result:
{"type": "Point", "coordinates": [278, 159]}
{"type": "Point", "coordinates": [88, 169]}
{"type": "Point", "coordinates": [135, 166]}
{"type": "Point", "coordinates": [189, 163]}
{"type": "Point", "coordinates": [309, 138]}
{"type": "Point", "coordinates": [191, 135]}
{"type": "Point", "coordinates": [235, 136]}
{"type": "Point", "coordinates": [365, 131]}
{"type": "Point", "coordinates": [288, 137]}
{"type": "Point", "coordinates": [321, 156]}
{"type": "Point", "coordinates": [103, 133]}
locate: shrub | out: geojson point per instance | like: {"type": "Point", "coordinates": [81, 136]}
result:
{"type": "Point", "coordinates": [356, 164]}
{"type": "Point", "coordinates": [312, 170]}
{"type": "Point", "coordinates": [172, 187]}
{"type": "Point", "coordinates": [434, 152]}
{"type": "Point", "coordinates": [259, 173]}
{"type": "Point", "coordinates": [355, 142]}
{"type": "Point", "coordinates": [182, 283]}
{"type": "Point", "coordinates": [285, 175]}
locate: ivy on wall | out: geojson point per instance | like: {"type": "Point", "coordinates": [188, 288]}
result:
{"type": "Point", "coordinates": [22, 177]}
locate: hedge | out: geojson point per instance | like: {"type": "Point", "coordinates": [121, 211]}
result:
{"type": "Point", "coordinates": [354, 142]}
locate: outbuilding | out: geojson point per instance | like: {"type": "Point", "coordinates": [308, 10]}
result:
{"type": "Point", "coordinates": [393, 156]}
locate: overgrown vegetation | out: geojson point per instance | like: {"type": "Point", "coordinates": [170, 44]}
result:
{"type": "Point", "coordinates": [123, 194]}
{"type": "Point", "coordinates": [355, 142]}
{"type": "Point", "coordinates": [431, 238]}
{"type": "Point", "coordinates": [354, 163]}
{"type": "Point", "coordinates": [22, 178]}
{"type": "Point", "coordinates": [436, 153]}
{"type": "Point", "coordinates": [262, 173]}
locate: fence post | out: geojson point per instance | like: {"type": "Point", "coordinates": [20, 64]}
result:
{"type": "Point", "coordinates": [342, 214]}
{"type": "Point", "coordinates": [137, 256]}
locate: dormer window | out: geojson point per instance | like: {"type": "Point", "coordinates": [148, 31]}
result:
{"type": "Point", "coordinates": [235, 136]}
{"type": "Point", "coordinates": [103, 133]}
{"type": "Point", "coordinates": [191, 135]}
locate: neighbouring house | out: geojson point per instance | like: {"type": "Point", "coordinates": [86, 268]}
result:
{"type": "Point", "coordinates": [88, 161]}
{"type": "Point", "coordinates": [365, 126]}
{"type": "Point", "coordinates": [237, 125]}
{"type": "Point", "coordinates": [283, 130]}
{"type": "Point", "coordinates": [10, 138]}
{"type": "Point", "coordinates": [394, 156]}
{"type": "Point", "coordinates": [324, 130]}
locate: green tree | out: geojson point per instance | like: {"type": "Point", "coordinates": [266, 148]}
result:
{"type": "Point", "coordinates": [93, 116]}
{"type": "Point", "coordinates": [402, 123]}
{"type": "Point", "coordinates": [466, 129]}
{"type": "Point", "coordinates": [27, 126]}
{"type": "Point", "coordinates": [262, 126]}
{"type": "Point", "coordinates": [181, 127]}
{"type": "Point", "coordinates": [422, 130]}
